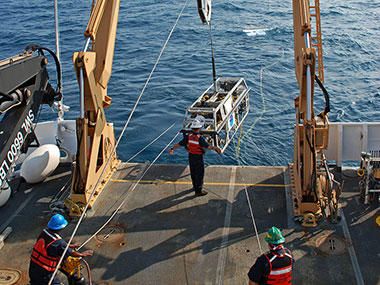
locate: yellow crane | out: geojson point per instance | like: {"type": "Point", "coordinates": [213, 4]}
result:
{"type": "Point", "coordinates": [95, 136]}
{"type": "Point", "coordinates": [315, 191]}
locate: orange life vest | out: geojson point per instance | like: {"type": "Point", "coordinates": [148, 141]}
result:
{"type": "Point", "coordinates": [193, 145]}
{"type": "Point", "coordinates": [39, 253]}
{"type": "Point", "coordinates": [280, 267]}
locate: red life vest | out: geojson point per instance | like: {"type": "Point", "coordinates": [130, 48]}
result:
{"type": "Point", "coordinates": [280, 267]}
{"type": "Point", "coordinates": [193, 145]}
{"type": "Point", "coordinates": [39, 253]}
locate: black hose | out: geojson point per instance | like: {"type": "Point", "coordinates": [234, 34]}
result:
{"type": "Point", "coordinates": [327, 98]}
{"type": "Point", "coordinates": [35, 47]}
{"type": "Point", "coordinates": [314, 166]}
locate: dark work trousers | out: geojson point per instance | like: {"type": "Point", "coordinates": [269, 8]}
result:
{"type": "Point", "coordinates": [197, 171]}
{"type": "Point", "coordinates": [40, 276]}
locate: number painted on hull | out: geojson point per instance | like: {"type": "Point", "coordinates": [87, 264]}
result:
{"type": "Point", "coordinates": [15, 147]}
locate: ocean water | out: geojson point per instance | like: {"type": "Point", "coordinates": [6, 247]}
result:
{"type": "Point", "coordinates": [252, 39]}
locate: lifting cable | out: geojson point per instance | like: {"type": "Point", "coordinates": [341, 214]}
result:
{"type": "Point", "coordinates": [212, 59]}
{"type": "Point", "coordinates": [245, 134]}
{"type": "Point", "coordinates": [116, 145]}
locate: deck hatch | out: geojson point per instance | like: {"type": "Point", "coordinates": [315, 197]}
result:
{"type": "Point", "coordinates": [331, 244]}
{"type": "Point", "coordinates": [9, 276]}
{"type": "Point", "coordinates": [110, 234]}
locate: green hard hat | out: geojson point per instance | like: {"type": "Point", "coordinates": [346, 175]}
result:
{"type": "Point", "coordinates": [274, 236]}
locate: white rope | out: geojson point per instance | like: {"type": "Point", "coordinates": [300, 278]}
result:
{"type": "Point", "coordinates": [252, 216]}
{"type": "Point", "coordinates": [250, 209]}
{"type": "Point", "coordinates": [129, 193]}
{"type": "Point", "coordinates": [245, 134]}
{"type": "Point", "coordinates": [117, 143]}
{"type": "Point", "coordinates": [149, 144]}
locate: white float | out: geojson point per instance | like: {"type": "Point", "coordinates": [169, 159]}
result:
{"type": "Point", "coordinates": [5, 193]}
{"type": "Point", "coordinates": [40, 163]}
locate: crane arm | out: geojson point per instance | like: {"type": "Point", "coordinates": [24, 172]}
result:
{"type": "Point", "coordinates": [24, 86]}
{"type": "Point", "coordinates": [311, 178]}
{"type": "Point", "coordinates": [95, 157]}
{"type": "Point", "coordinates": [101, 29]}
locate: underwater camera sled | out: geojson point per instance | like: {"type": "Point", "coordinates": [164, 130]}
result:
{"type": "Point", "coordinates": [224, 108]}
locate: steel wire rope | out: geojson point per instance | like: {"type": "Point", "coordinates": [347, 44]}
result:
{"type": "Point", "coordinates": [61, 193]}
{"type": "Point", "coordinates": [117, 143]}
{"type": "Point", "coordinates": [252, 216]}
{"type": "Point", "coordinates": [149, 144]}
{"type": "Point", "coordinates": [245, 134]}
{"type": "Point", "coordinates": [250, 208]}
{"type": "Point", "coordinates": [129, 193]}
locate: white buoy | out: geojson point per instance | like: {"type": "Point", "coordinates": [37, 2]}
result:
{"type": "Point", "coordinates": [40, 163]}
{"type": "Point", "coordinates": [5, 193]}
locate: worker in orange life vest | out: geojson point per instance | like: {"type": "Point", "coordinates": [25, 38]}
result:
{"type": "Point", "coordinates": [48, 250]}
{"type": "Point", "coordinates": [274, 266]}
{"type": "Point", "coordinates": [196, 146]}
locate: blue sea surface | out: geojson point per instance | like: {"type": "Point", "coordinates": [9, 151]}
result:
{"type": "Point", "coordinates": [252, 39]}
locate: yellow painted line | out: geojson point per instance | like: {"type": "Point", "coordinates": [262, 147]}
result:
{"type": "Point", "coordinates": [378, 220]}
{"type": "Point", "coordinates": [206, 183]}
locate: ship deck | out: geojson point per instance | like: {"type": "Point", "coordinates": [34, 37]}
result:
{"type": "Point", "coordinates": [163, 234]}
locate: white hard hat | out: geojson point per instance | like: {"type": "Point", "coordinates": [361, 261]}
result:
{"type": "Point", "coordinates": [198, 122]}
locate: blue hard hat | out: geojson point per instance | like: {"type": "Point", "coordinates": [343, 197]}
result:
{"type": "Point", "coordinates": [57, 222]}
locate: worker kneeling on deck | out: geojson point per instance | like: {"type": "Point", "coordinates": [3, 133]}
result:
{"type": "Point", "coordinates": [274, 266]}
{"type": "Point", "coordinates": [48, 250]}
{"type": "Point", "coordinates": [196, 146]}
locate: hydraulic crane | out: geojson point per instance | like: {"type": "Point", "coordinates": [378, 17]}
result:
{"type": "Point", "coordinates": [315, 191]}
{"type": "Point", "coordinates": [24, 86]}
{"type": "Point", "coordinates": [96, 159]}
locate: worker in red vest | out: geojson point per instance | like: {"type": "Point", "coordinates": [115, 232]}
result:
{"type": "Point", "coordinates": [48, 250]}
{"type": "Point", "coordinates": [274, 266]}
{"type": "Point", "coordinates": [196, 146]}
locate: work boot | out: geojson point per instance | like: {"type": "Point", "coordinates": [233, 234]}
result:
{"type": "Point", "coordinates": [202, 193]}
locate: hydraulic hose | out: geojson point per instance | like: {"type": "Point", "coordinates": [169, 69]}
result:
{"type": "Point", "coordinates": [327, 98]}
{"type": "Point", "coordinates": [88, 271]}
{"type": "Point", "coordinates": [34, 47]}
